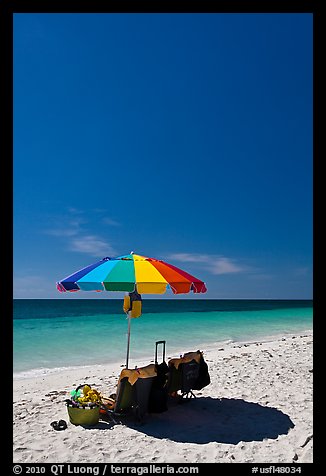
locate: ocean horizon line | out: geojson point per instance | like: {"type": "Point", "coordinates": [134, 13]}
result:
{"type": "Point", "coordinates": [166, 299]}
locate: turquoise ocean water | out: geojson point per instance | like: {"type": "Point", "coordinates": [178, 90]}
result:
{"type": "Point", "coordinates": [53, 333]}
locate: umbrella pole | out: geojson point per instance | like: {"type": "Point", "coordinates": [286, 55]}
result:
{"type": "Point", "coordinates": [128, 343]}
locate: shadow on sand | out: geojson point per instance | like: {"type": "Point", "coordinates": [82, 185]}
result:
{"type": "Point", "coordinates": [225, 420]}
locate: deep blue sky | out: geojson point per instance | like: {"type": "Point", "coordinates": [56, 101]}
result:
{"type": "Point", "coordinates": [184, 137]}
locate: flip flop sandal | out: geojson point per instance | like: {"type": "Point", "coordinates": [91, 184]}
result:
{"type": "Point", "coordinates": [59, 425]}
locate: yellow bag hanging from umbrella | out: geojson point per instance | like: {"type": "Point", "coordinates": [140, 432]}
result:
{"type": "Point", "coordinates": [132, 303]}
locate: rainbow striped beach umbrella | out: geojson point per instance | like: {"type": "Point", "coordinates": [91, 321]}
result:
{"type": "Point", "coordinates": [131, 273]}
{"type": "Point", "coordinates": [151, 276]}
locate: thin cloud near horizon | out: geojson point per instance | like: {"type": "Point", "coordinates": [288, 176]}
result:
{"type": "Point", "coordinates": [92, 245]}
{"type": "Point", "coordinates": [78, 237]}
{"type": "Point", "coordinates": [215, 264]}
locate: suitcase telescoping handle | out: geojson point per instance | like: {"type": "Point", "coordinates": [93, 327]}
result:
{"type": "Point", "coordinates": [163, 342]}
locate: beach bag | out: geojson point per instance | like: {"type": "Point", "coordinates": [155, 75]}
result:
{"type": "Point", "coordinates": [86, 413]}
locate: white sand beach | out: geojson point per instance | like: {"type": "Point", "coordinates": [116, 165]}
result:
{"type": "Point", "coordinates": [257, 408]}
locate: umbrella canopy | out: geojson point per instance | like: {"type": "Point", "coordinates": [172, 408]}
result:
{"type": "Point", "coordinates": [133, 274]}
{"type": "Point", "coordinates": [125, 273]}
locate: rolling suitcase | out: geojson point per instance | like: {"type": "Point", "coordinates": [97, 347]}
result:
{"type": "Point", "coordinates": [159, 395]}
